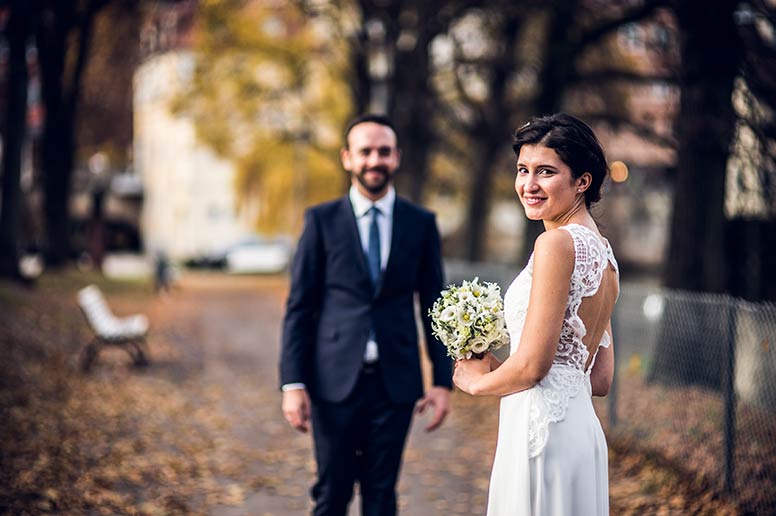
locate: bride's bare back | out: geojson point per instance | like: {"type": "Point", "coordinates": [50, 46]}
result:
{"type": "Point", "coordinates": [596, 311]}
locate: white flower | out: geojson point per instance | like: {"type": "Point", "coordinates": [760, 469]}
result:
{"type": "Point", "coordinates": [496, 338]}
{"type": "Point", "coordinates": [479, 345]}
{"type": "Point", "coordinates": [448, 314]}
{"type": "Point", "coordinates": [466, 318]}
{"type": "Point", "coordinates": [489, 300]}
{"type": "Point", "coordinates": [463, 335]}
{"type": "Point", "coordinates": [465, 296]}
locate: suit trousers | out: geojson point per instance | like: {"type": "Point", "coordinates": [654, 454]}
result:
{"type": "Point", "coordinates": [359, 440]}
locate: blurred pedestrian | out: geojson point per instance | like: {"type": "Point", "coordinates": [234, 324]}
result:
{"type": "Point", "coordinates": [350, 362]}
{"type": "Point", "coordinates": [551, 456]}
{"type": "Point", "coordinates": [162, 273]}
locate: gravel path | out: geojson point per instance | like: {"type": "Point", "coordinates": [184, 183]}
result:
{"type": "Point", "coordinates": [228, 334]}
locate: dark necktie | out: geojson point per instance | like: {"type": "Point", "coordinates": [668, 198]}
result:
{"type": "Point", "coordinates": [373, 248]}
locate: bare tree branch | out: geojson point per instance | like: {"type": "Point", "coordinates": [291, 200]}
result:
{"type": "Point", "coordinates": [596, 33]}
{"type": "Point", "coordinates": [641, 130]}
{"type": "Point", "coordinates": [461, 90]}
{"type": "Point", "coordinates": [447, 148]}
{"type": "Point", "coordinates": [624, 75]}
{"type": "Point", "coordinates": [447, 112]}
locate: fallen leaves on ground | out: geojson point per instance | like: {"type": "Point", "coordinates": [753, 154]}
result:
{"type": "Point", "coordinates": [201, 428]}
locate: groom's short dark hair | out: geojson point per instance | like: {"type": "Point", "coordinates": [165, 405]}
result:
{"type": "Point", "coordinates": [370, 117]}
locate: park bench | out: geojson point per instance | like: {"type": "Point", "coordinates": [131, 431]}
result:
{"type": "Point", "coordinates": [126, 332]}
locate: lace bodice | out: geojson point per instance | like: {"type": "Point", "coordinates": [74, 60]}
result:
{"type": "Point", "coordinates": [592, 255]}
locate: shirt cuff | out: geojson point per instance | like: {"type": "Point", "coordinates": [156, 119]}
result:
{"type": "Point", "coordinates": [293, 387]}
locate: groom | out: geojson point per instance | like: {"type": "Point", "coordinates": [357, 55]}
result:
{"type": "Point", "coordinates": [350, 361]}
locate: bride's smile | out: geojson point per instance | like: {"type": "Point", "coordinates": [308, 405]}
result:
{"type": "Point", "coordinates": [533, 201]}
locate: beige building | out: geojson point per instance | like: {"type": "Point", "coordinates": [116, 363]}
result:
{"type": "Point", "coordinates": [190, 206]}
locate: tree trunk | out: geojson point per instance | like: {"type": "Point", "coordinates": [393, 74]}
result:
{"type": "Point", "coordinates": [711, 59]}
{"type": "Point", "coordinates": [51, 38]}
{"type": "Point", "coordinates": [751, 246]}
{"type": "Point", "coordinates": [14, 136]}
{"type": "Point", "coordinates": [359, 75]}
{"type": "Point", "coordinates": [412, 108]}
{"type": "Point", "coordinates": [488, 138]}
{"type": "Point", "coordinates": [556, 69]}
{"type": "Point", "coordinates": [56, 161]}
{"type": "Point", "coordinates": [479, 197]}
{"type": "Point", "coordinates": [61, 89]}
{"type": "Point", "coordinates": [559, 56]}
{"type": "Point", "coordinates": [411, 98]}
{"type": "Point", "coordinates": [752, 236]}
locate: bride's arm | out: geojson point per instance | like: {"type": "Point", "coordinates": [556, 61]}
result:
{"type": "Point", "coordinates": [553, 265]}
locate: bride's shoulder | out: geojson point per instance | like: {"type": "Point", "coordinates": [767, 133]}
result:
{"type": "Point", "coordinates": [554, 246]}
{"type": "Point", "coordinates": [556, 239]}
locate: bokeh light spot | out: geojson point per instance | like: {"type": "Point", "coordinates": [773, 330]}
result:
{"type": "Point", "coordinates": [619, 171]}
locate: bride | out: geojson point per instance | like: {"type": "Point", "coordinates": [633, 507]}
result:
{"type": "Point", "coordinates": [551, 456]}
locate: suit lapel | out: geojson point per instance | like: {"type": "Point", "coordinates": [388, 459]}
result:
{"type": "Point", "coordinates": [355, 238]}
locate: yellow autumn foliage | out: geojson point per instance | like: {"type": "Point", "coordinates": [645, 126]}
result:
{"type": "Point", "coordinates": [269, 94]}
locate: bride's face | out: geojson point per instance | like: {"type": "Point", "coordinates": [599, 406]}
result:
{"type": "Point", "coordinates": [545, 184]}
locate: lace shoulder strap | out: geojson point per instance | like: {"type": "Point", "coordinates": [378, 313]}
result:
{"type": "Point", "coordinates": [591, 257]}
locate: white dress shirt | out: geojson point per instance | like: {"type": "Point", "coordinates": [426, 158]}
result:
{"type": "Point", "coordinates": [361, 206]}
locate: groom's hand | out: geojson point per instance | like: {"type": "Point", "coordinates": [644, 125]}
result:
{"type": "Point", "coordinates": [439, 398]}
{"type": "Point", "coordinates": [296, 409]}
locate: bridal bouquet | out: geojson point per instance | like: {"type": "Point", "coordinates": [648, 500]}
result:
{"type": "Point", "coordinates": [469, 319]}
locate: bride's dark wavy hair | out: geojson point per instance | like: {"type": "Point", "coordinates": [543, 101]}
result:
{"type": "Point", "coordinates": [573, 141]}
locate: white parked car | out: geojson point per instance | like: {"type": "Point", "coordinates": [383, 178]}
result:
{"type": "Point", "coordinates": [258, 255]}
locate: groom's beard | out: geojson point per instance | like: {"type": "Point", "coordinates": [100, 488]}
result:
{"type": "Point", "coordinates": [374, 179]}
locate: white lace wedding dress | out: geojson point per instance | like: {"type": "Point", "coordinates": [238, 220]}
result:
{"type": "Point", "coordinates": [551, 457]}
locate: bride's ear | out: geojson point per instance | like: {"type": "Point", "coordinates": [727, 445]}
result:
{"type": "Point", "coordinates": [583, 181]}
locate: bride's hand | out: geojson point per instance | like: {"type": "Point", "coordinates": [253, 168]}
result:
{"type": "Point", "coordinates": [468, 371]}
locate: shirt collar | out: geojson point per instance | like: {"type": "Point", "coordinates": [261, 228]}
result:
{"type": "Point", "coordinates": [361, 203]}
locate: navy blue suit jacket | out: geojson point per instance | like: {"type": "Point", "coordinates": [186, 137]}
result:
{"type": "Point", "coordinates": [332, 305]}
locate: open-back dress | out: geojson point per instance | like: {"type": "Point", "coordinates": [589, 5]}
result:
{"type": "Point", "coordinates": [551, 456]}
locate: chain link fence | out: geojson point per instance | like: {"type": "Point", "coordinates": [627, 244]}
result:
{"type": "Point", "coordinates": [695, 384]}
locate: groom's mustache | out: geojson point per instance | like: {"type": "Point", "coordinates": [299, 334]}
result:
{"type": "Point", "coordinates": [383, 170]}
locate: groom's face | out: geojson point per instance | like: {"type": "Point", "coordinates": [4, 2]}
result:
{"type": "Point", "coordinates": [371, 157]}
